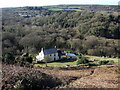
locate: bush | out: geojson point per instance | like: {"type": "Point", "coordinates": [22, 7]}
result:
{"type": "Point", "coordinates": [8, 58]}
{"type": "Point", "coordinates": [93, 64]}
{"type": "Point", "coordinates": [82, 61]}
{"type": "Point", "coordinates": [110, 62]}
{"type": "Point", "coordinates": [103, 62]}
{"type": "Point", "coordinates": [25, 59]}
{"type": "Point", "coordinates": [28, 59]}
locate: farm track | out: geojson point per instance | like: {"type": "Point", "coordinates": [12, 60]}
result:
{"type": "Point", "coordinates": [104, 77]}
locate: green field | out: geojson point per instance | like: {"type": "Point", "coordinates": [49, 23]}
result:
{"type": "Point", "coordinates": [55, 9]}
{"type": "Point", "coordinates": [74, 7]}
{"type": "Point", "coordinates": [60, 9]}
{"type": "Point", "coordinates": [62, 64]}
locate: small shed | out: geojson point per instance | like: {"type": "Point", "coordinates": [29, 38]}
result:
{"type": "Point", "coordinates": [71, 55]}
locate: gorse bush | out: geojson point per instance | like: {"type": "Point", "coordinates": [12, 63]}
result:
{"type": "Point", "coordinates": [83, 60]}
{"type": "Point", "coordinates": [103, 62]}
{"type": "Point", "coordinates": [106, 62]}
{"type": "Point", "coordinates": [28, 59]}
{"type": "Point", "coordinates": [111, 62]}
{"type": "Point", "coordinates": [8, 58]}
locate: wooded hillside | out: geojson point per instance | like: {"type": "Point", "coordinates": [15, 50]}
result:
{"type": "Point", "coordinates": [88, 30]}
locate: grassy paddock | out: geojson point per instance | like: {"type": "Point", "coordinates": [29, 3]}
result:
{"type": "Point", "coordinates": [55, 9]}
{"type": "Point", "coordinates": [60, 9]}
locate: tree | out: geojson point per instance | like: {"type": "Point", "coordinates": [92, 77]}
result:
{"type": "Point", "coordinates": [90, 42]}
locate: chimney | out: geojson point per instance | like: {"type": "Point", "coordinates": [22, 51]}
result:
{"type": "Point", "coordinates": [55, 47]}
{"type": "Point", "coordinates": [41, 49]}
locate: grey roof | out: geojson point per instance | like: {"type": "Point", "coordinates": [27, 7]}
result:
{"type": "Point", "coordinates": [49, 51]}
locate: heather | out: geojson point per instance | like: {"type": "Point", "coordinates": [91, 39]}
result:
{"type": "Point", "coordinates": [17, 77]}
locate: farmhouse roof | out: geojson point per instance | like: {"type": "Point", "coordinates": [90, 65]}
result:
{"type": "Point", "coordinates": [49, 51]}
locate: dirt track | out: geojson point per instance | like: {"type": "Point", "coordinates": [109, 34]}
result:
{"type": "Point", "coordinates": [104, 77]}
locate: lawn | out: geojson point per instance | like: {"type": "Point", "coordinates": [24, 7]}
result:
{"type": "Point", "coordinates": [57, 64]}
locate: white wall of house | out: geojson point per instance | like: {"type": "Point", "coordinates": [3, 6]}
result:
{"type": "Point", "coordinates": [57, 57]}
{"type": "Point", "coordinates": [40, 57]}
{"type": "Point", "coordinates": [48, 57]}
{"type": "Point", "coordinates": [51, 57]}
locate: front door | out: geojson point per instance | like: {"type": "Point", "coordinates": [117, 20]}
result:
{"type": "Point", "coordinates": [54, 59]}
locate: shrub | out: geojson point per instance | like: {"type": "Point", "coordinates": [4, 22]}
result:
{"type": "Point", "coordinates": [8, 58]}
{"type": "Point", "coordinates": [93, 64]}
{"type": "Point", "coordinates": [103, 62]}
{"type": "Point", "coordinates": [25, 59]}
{"type": "Point", "coordinates": [111, 62]}
{"type": "Point", "coordinates": [82, 61]}
{"type": "Point", "coordinates": [28, 59]}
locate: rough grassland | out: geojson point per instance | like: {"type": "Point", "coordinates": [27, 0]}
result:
{"type": "Point", "coordinates": [103, 77]}
{"type": "Point", "coordinates": [101, 58]}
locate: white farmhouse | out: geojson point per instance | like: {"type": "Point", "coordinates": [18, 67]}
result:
{"type": "Point", "coordinates": [48, 55]}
